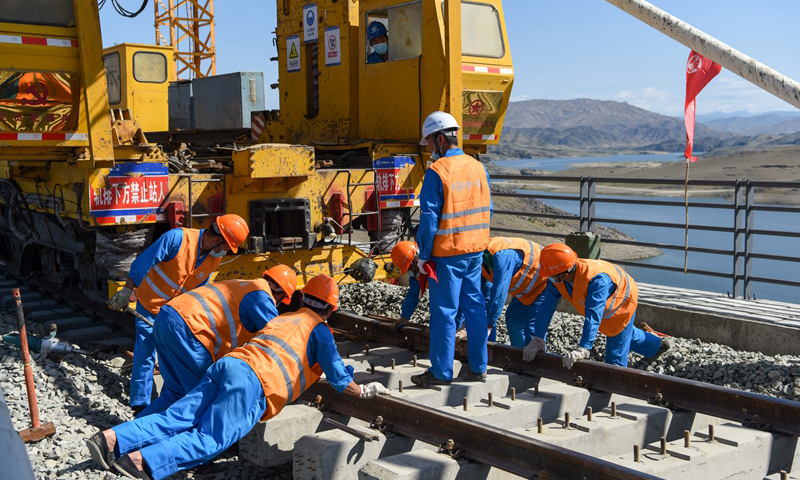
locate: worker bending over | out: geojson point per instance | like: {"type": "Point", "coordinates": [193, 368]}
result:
{"type": "Point", "coordinates": [405, 255]}
{"type": "Point", "coordinates": [455, 210]}
{"type": "Point", "coordinates": [181, 260]}
{"type": "Point", "coordinates": [256, 380]}
{"type": "Point", "coordinates": [605, 295]}
{"type": "Point", "coordinates": [194, 330]}
{"type": "Point", "coordinates": [511, 267]}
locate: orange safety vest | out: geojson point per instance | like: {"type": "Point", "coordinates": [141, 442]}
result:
{"type": "Point", "coordinates": [167, 280]}
{"type": "Point", "coordinates": [526, 284]}
{"type": "Point", "coordinates": [464, 225]}
{"type": "Point", "coordinates": [620, 306]}
{"type": "Point", "coordinates": [212, 313]}
{"type": "Point", "coordinates": [278, 355]}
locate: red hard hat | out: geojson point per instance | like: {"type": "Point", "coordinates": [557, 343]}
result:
{"type": "Point", "coordinates": [324, 288]}
{"type": "Point", "coordinates": [403, 255]}
{"type": "Point", "coordinates": [286, 278]}
{"type": "Point", "coordinates": [556, 258]}
{"type": "Point", "coordinates": [233, 229]}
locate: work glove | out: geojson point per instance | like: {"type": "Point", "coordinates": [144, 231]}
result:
{"type": "Point", "coordinates": [372, 390]}
{"type": "Point", "coordinates": [121, 299]}
{"type": "Point", "coordinates": [461, 334]}
{"type": "Point", "coordinates": [533, 348]}
{"type": "Point", "coordinates": [421, 265]}
{"type": "Point", "coordinates": [397, 325]}
{"type": "Point", "coordinates": [572, 357]}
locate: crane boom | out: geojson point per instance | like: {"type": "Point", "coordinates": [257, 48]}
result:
{"type": "Point", "coordinates": [737, 62]}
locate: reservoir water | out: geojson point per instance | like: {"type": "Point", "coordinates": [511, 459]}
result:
{"type": "Point", "coordinates": [700, 216]}
{"type": "Point", "coordinates": [557, 164]}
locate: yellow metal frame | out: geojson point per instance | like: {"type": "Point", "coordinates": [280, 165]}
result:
{"type": "Point", "coordinates": [189, 26]}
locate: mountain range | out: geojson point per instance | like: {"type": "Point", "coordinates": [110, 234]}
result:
{"type": "Point", "coordinates": [585, 127]}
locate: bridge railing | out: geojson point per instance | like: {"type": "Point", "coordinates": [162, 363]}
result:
{"type": "Point", "coordinates": [742, 213]}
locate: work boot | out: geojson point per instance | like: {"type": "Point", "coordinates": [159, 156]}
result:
{"type": "Point", "coordinates": [427, 379]}
{"type": "Point", "coordinates": [209, 470]}
{"type": "Point", "coordinates": [666, 344]}
{"type": "Point", "coordinates": [98, 448]}
{"type": "Point", "coordinates": [475, 377]}
{"type": "Point", "coordinates": [126, 467]}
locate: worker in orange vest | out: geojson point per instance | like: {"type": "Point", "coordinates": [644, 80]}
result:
{"type": "Point", "coordinates": [404, 257]}
{"type": "Point", "coordinates": [455, 210]}
{"type": "Point", "coordinates": [605, 295]}
{"type": "Point", "coordinates": [180, 260]}
{"type": "Point", "coordinates": [195, 330]}
{"type": "Point", "coordinates": [256, 380]}
{"type": "Point", "coordinates": [511, 267]}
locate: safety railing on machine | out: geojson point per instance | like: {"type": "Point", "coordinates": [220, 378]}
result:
{"type": "Point", "coordinates": [741, 210]}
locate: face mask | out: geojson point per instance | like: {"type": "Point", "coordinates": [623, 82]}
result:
{"type": "Point", "coordinates": [218, 254]}
{"type": "Point", "coordinates": [435, 156]}
{"type": "Point", "coordinates": [381, 48]}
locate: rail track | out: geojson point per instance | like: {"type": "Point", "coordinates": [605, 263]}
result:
{"type": "Point", "coordinates": [464, 434]}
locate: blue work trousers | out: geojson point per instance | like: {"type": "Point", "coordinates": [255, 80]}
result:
{"type": "Point", "coordinates": [225, 405]}
{"type": "Point", "coordinates": [631, 339]}
{"type": "Point", "coordinates": [458, 286]}
{"type": "Point", "coordinates": [521, 320]}
{"type": "Point", "coordinates": [182, 359]}
{"type": "Point", "coordinates": [144, 360]}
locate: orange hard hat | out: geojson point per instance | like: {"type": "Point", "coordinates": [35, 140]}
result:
{"type": "Point", "coordinates": [556, 258]}
{"type": "Point", "coordinates": [403, 255]}
{"type": "Point", "coordinates": [285, 278]}
{"type": "Point", "coordinates": [324, 288]}
{"type": "Point", "coordinates": [233, 229]}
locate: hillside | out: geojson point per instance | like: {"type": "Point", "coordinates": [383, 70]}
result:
{"type": "Point", "coordinates": [774, 123]}
{"type": "Point", "coordinates": [554, 128]}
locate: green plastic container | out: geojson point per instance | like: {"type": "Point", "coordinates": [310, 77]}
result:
{"type": "Point", "coordinates": [585, 244]}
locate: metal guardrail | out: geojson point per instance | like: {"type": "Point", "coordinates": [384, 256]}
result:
{"type": "Point", "coordinates": [742, 211]}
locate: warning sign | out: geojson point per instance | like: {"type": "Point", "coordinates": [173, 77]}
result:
{"type": "Point", "coordinates": [310, 30]}
{"type": "Point", "coordinates": [293, 53]}
{"type": "Point", "coordinates": [392, 192]}
{"type": "Point", "coordinates": [333, 49]}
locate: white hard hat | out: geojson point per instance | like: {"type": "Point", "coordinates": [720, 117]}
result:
{"type": "Point", "coordinates": [436, 122]}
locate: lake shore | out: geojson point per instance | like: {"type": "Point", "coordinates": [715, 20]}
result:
{"type": "Point", "coordinates": [777, 164]}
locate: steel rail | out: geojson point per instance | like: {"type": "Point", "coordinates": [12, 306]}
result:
{"type": "Point", "coordinates": [503, 449]}
{"type": "Point", "coordinates": [750, 409]}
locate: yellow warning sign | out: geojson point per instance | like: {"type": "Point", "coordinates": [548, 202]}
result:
{"type": "Point", "coordinates": [293, 53]}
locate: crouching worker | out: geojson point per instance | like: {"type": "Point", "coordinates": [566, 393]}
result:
{"type": "Point", "coordinates": [405, 255]}
{"type": "Point", "coordinates": [255, 381]}
{"type": "Point", "coordinates": [605, 295]}
{"type": "Point", "coordinates": [511, 267]}
{"type": "Point", "coordinates": [196, 329]}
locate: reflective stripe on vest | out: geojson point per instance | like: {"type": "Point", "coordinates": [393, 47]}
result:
{"type": "Point", "coordinates": [168, 279]}
{"type": "Point", "coordinates": [212, 313]}
{"type": "Point", "coordinates": [464, 220]}
{"type": "Point", "coordinates": [295, 357]}
{"type": "Point", "coordinates": [525, 280]}
{"type": "Point", "coordinates": [608, 314]}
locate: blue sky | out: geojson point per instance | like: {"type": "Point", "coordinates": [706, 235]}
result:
{"type": "Point", "coordinates": [562, 49]}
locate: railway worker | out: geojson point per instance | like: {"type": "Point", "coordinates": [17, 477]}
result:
{"type": "Point", "coordinates": [378, 38]}
{"type": "Point", "coordinates": [404, 256]}
{"type": "Point", "coordinates": [605, 295]}
{"type": "Point", "coordinates": [511, 266]}
{"type": "Point", "coordinates": [254, 381]}
{"type": "Point", "coordinates": [180, 260]}
{"type": "Point", "coordinates": [455, 210]}
{"type": "Point", "coordinates": [194, 330]}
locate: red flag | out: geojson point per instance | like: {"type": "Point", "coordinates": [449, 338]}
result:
{"type": "Point", "coordinates": [699, 71]}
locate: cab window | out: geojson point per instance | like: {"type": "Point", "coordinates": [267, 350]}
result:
{"type": "Point", "coordinates": [111, 62]}
{"type": "Point", "coordinates": [399, 28]}
{"type": "Point", "coordinates": [149, 67]}
{"type": "Point", "coordinates": [481, 32]}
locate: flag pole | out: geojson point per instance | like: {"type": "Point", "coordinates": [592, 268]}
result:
{"type": "Point", "coordinates": [686, 231]}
